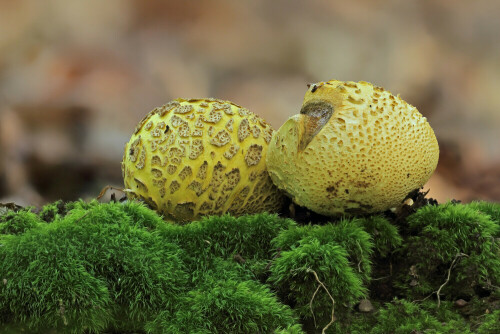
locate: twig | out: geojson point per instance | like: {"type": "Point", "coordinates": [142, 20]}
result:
{"type": "Point", "coordinates": [81, 217]}
{"type": "Point", "coordinates": [448, 277]}
{"type": "Point", "coordinates": [328, 292]}
{"type": "Point", "coordinates": [459, 255]}
{"type": "Point", "coordinates": [421, 300]}
{"type": "Point", "coordinates": [62, 309]}
{"type": "Point", "coordinates": [274, 257]}
{"type": "Point", "coordinates": [311, 304]}
{"type": "Point", "coordinates": [361, 257]}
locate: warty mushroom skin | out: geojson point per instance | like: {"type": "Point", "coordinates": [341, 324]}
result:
{"type": "Point", "coordinates": [196, 157]}
{"type": "Point", "coordinates": [355, 148]}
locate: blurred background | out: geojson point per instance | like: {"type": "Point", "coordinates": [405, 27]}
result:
{"type": "Point", "coordinates": [77, 76]}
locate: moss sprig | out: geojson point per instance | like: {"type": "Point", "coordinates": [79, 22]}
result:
{"type": "Point", "coordinates": [448, 236]}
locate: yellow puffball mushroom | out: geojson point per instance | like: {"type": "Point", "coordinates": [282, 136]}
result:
{"type": "Point", "coordinates": [191, 158]}
{"type": "Point", "coordinates": [354, 149]}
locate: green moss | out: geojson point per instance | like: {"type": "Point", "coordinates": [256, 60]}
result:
{"type": "Point", "coordinates": [490, 209]}
{"type": "Point", "coordinates": [75, 272]}
{"type": "Point", "coordinates": [294, 274]}
{"type": "Point", "coordinates": [226, 306]}
{"type": "Point", "coordinates": [249, 235]}
{"type": "Point", "coordinates": [18, 222]}
{"type": "Point", "coordinates": [448, 236]}
{"type": "Point", "coordinates": [347, 233]}
{"type": "Point", "coordinates": [339, 254]}
{"type": "Point", "coordinates": [117, 265]}
{"type": "Point", "coordinates": [52, 211]}
{"type": "Point", "coordinates": [490, 323]}
{"type": "Point", "coordinates": [226, 299]}
{"type": "Point", "coordinates": [246, 237]}
{"type": "Point", "coordinates": [385, 235]}
{"type": "Point", "coordinates": [402, 317]}
{"type": "Point", "coordinates": [81, 204]}
{"type": "Point", "coordinates": [141, 216]}
{"type": "Point", "coordinates": [106, 268]}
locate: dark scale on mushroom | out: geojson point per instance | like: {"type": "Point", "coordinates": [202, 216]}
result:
{"type": "Point", "coordinates": [232, 179]}
{"type": "Point", "coordinates": [253, 154]}
{"type": "Point", "coordinates": [221, 138]}
{"type": "Point", "coordinates": [174, 186]}
{"type": "Point", "coordinates": [231, 152]}
{"type": "Point", "coordinates": [243, 130]}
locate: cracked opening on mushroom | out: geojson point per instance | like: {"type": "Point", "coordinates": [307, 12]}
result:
{"type": "Point", "coordinates": [317, 115]}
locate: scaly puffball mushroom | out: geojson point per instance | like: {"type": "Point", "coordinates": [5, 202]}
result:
{"type": "Point", "coordinates": [198, 157]}
{"type": "Point", "coordinates": [354, 149]}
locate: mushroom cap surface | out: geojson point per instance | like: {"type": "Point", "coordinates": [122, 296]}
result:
{"type": "Point", "coordinates": [354, 149]}
{"type": "Point", "coordinates": [196, 157]}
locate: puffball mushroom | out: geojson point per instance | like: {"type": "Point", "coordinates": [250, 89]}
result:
{"type": "Point", "coordinates": [354, 149]}
{"type": "Point", "coordinates": [198, 157]}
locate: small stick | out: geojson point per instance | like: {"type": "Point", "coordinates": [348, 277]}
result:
{"type": "Point", "coordinates": [421, 300]}
{"type": "Point", "coordinates": [446, 282]}
{"type": "Point", "coordinates": [361, 250]}
{"type": "Point", "coordinates": [82, 216]}
{"type": "Point", "coordinates": [448, 277]}
{"type": "Point", "coordinates": [328, 292]}
{"type": "Point", "coordinates": [311, 304]}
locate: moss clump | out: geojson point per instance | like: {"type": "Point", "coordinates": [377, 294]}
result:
{"type": "Point", "coordinates": [226, 306]}
{"type": "Point", "coordinates": [490, 209]}
{"type": "Point", "coordinates": [385, 236]}
{"type": "Point", "coordinates": [302, 272]}
{"type": "Point", "coordinates": [97, 268]}
{"type": "Point", "coordinates": [77, 272]}
{"type": "Point", "coordinates": [347, 233]}
{"type": "Point", "coordinates": [18, 222]}
{"type": "Point", "coordinates": [401, 317]}
{"type": "Point", "coordinates": [227, 299]}
{"type": "Point", "coordinates": [118, 266]}
{"type": "Point", "coordinates": [246, 239]}
{"type": "Point", "coordinates": [249, 235]}
{"type": "Point", "coordinates": [52, 211]}
{"type": "Point", "coordinates": [335, 255]}
{"type": "Point", "coordinates": [452, 239]}
{"type": "Point", "coordinates": [490, 323]}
